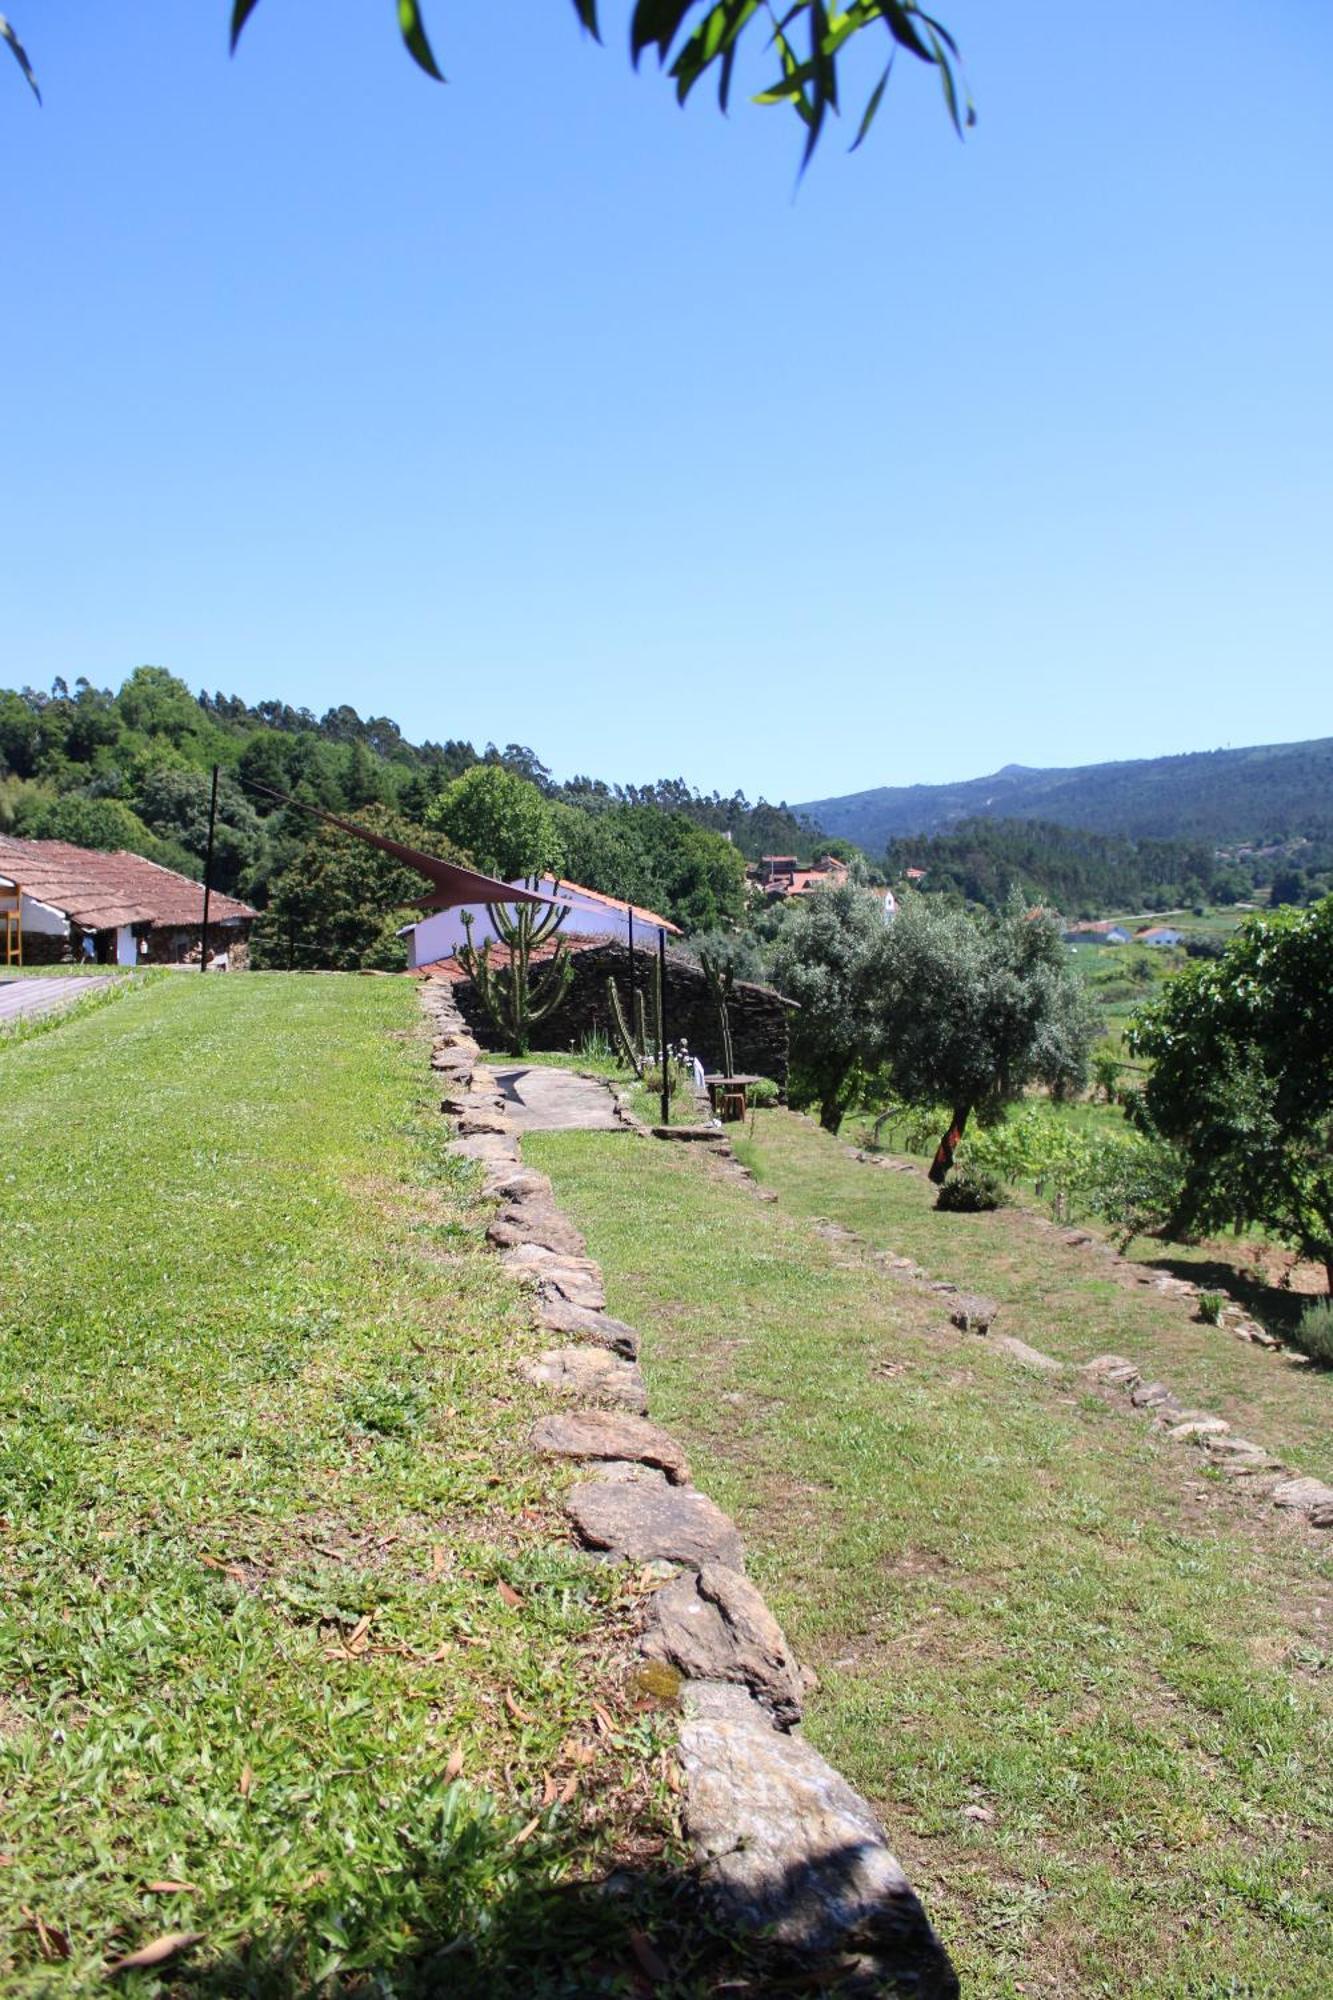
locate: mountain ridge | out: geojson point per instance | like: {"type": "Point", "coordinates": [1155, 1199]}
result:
{"type": "Point", "coordinates": [1259, 792]}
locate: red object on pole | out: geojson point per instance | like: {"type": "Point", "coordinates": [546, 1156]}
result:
{"type": "Point", "coordinates": [451, 886]}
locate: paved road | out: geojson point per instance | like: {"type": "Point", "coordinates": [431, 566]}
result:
{"type": "Point", "coordinates": [554, 1100]}
{"type": "Point", "coordinates": [21, 999]}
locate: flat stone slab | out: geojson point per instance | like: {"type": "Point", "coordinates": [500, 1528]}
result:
{"type": "Point", "coordinates": [591, 1372]}
{"type": "Point", "coordinates": [487, 1148]}
{"type": "Point", "coordinates": [1153, 1396]}
{"type": "Point", "coordinates": [714, 1626]}
{"type": "Point", "coordinates": [557, 1315]}
{"type": "Point", "coordinates": [536, 1222]}
{"type": "Point", "coordinates": [474, 1122]}
{"type": "Point", "coordinates": [644, 1523]}
{"type": "Point", "coordinates": [970, 1312]}
{"type": "Point", "coordinates": [1029, 1357]}
{"type": "Point", "coordinates": [1306, 1496]}
{"type": "Point", "coordinates": [788, 1847]}
{"type": "Point", "coordinates": [521, 1184]}
{"type": "Point", "coordinates": [1191, 1428]}
{"type": "Point", "coordinates": [575, 1279]}
{"type": "Point", "coordinates": [609, 1434]}
{"type": "Point", "coordinates": [1112, 1368]}
{"type": "Point", "coordinates": [538, 1099]}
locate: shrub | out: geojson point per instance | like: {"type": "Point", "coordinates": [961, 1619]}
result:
{"type": "Point", "coordinates": [762, 1095]}
{"type": "Point", "coordinates": [1210, 1307]}
{"type": "Point", "coordinates": [967, 1190]}
{"type": "Point", "coordinates": [1314, 1331]}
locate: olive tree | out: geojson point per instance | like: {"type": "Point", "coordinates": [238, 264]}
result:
{"type": "Point", "coordinates": [972, 1008]}
{"type": "Point", "coordinates": [1240, 1055]}
{"type": "Point", "coordinates": [804, 47]}
{"type": "Point", "coordinates": [826, 960]}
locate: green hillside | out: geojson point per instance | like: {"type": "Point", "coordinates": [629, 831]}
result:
{"type": "Point", "coordinates": [1270, 792]}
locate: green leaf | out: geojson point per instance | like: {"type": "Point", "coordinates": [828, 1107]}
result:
{"type": "Point", "coordinates": [587, 13]}
{"type": "Point", "coordinates": [240, 14]}
{"type": "Point", "coordinates": [655, 24]}
{"type": "Point", "coordinates": [20, 55]}
{"type": "Point", "coordinates": [872, 106]}
{"type": "Point", "coordinates": [413, 32]}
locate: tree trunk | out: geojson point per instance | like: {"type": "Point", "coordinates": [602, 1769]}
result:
{"type": "Point", "coordinates": [949, 1144]}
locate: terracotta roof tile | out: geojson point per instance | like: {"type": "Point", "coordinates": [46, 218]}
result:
{"type": "Point", "coordinates": [102, 891]}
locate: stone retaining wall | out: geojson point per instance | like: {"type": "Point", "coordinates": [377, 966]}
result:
{"type": "Point", "coordinates": [784, 1845]}
{"type": "Point", "coordinates": [758, 1015]}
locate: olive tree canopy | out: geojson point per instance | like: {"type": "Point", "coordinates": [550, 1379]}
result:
{"type": "Point", "coordinates": [974, 1008]}
{"type": "Point", "coordinates": [804, 44]}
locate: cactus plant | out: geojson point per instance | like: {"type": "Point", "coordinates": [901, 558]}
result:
{"type": "Point", "coordinates": [640, 1045]}
{"type": "Point", "coordinates": [516, 998]}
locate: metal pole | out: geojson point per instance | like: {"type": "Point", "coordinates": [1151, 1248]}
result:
{"type": "Point", "coordinates": [629, 912]}
{"type": "Point", "coordinates": [208, 871]}
{"type": "Point", "coordinates": [662, 1025]}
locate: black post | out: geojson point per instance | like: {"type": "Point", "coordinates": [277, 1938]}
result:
{"type": "Point", "coordinates": [662, 1026]}
{"type": "Point", "coordinates": [208, 871]}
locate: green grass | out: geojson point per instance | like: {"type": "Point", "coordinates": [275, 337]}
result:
{"type": "Point", "coordinates": [1087, 1686]}
{"type": "Point", "coordinates": [287, 1613]}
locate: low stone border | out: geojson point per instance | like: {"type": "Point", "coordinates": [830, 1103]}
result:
{"type": "Point", "coordinates": [1236, 1456]}
{"type": "Point", "coordinates": [785, 1846]}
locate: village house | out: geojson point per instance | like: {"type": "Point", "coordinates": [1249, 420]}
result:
{"type": "Point", "coordinates": [1159, 935]}
{"type": "Point", "coordinates": [780, 875]}
{"type": "Point", "coordinates": [115, 909]}
{"type": "Point", "coordinates": [1104, 932]}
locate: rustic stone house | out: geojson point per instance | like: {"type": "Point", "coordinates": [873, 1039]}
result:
{"type": "Point", "coordinates": [133, 911]}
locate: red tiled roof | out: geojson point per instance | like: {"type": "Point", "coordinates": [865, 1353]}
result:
{"type": "Point", "coordinates": [102, 891]}
{"type": "Point", "coordinates": [647, 917]}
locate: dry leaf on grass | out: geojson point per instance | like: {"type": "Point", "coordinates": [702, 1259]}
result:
{"type": "Point", "coordinates": [528, 1830]}
{"type": "Point", "coordinates": [509, 1595]}
{"type": "Point", "coordinates": [247, 1783]}
{"type": "Point", "coordinates": [170, 1945]}
{"type": "Point", "coordinates": [53, 1944]}
{"type": "Point", "coordinates": [170, 1888]}
{"type": "Point", "coordinates": [519, 1714]}
{"type": "Point", "coordinates": [454, 1766]}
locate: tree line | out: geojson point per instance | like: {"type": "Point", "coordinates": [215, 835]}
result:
{"type": "Point", "coordinates": [132, 769]}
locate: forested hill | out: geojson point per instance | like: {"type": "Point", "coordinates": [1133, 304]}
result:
{"type": "Point", "coordinates": [131, 768]}
{"type": "Point", "coordinates": [1271, 792]}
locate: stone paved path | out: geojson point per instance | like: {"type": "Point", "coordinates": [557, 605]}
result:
{"type": "Point", "coordinates": [21, 999]}
{"type": "Point", "coordinates": [553, 1100]}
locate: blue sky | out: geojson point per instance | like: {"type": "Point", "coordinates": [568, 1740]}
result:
{"type": "Point", "coordinates": [534, 409]}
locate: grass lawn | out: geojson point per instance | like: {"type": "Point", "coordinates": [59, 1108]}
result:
{"type": "Point", "coordinates": [294, 1653]}
{"type": "Point", "coordinates": [1088, 1686]}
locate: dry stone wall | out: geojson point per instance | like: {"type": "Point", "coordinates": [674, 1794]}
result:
{"type": "Point", "coordinates": [758, 1015]}
{"type": "Point", "coordinates": [784, 1845]}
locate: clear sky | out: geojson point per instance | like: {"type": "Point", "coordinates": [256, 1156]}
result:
{"type": "Point", "coordinates": [534, 409]}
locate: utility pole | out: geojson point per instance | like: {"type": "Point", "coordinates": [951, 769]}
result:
{"type": "Point", "coordinates": [208, 871]}
{"type": "Point", "coordinates": [662, 1027]}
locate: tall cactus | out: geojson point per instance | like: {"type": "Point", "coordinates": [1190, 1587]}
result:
{"type": "Point", "coordinates": [516, 998]}
{"type": "Point", "coordinates": [640, 1046]}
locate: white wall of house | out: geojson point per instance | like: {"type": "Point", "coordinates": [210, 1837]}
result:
{"type": "Point", "coordinates": [127, 945]}
{"type": "Point", "coordinates": [40, 920]}
{"type": "Point", "coordinates": [440, 936]}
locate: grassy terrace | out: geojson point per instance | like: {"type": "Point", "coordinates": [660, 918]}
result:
{"type": "Point", "coordinates": [292, 1652]}
{"type": "Point", "coordinates": [1088, 1686]}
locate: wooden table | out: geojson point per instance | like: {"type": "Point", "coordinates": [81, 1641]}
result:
{"type": "Point", "coordinates": [728, 1095]}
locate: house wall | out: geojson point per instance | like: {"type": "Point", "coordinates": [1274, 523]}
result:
{"type": "Point", "coordinates": [440, 936]}
{"type": "Point", "coordinates": [758, 1016]}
